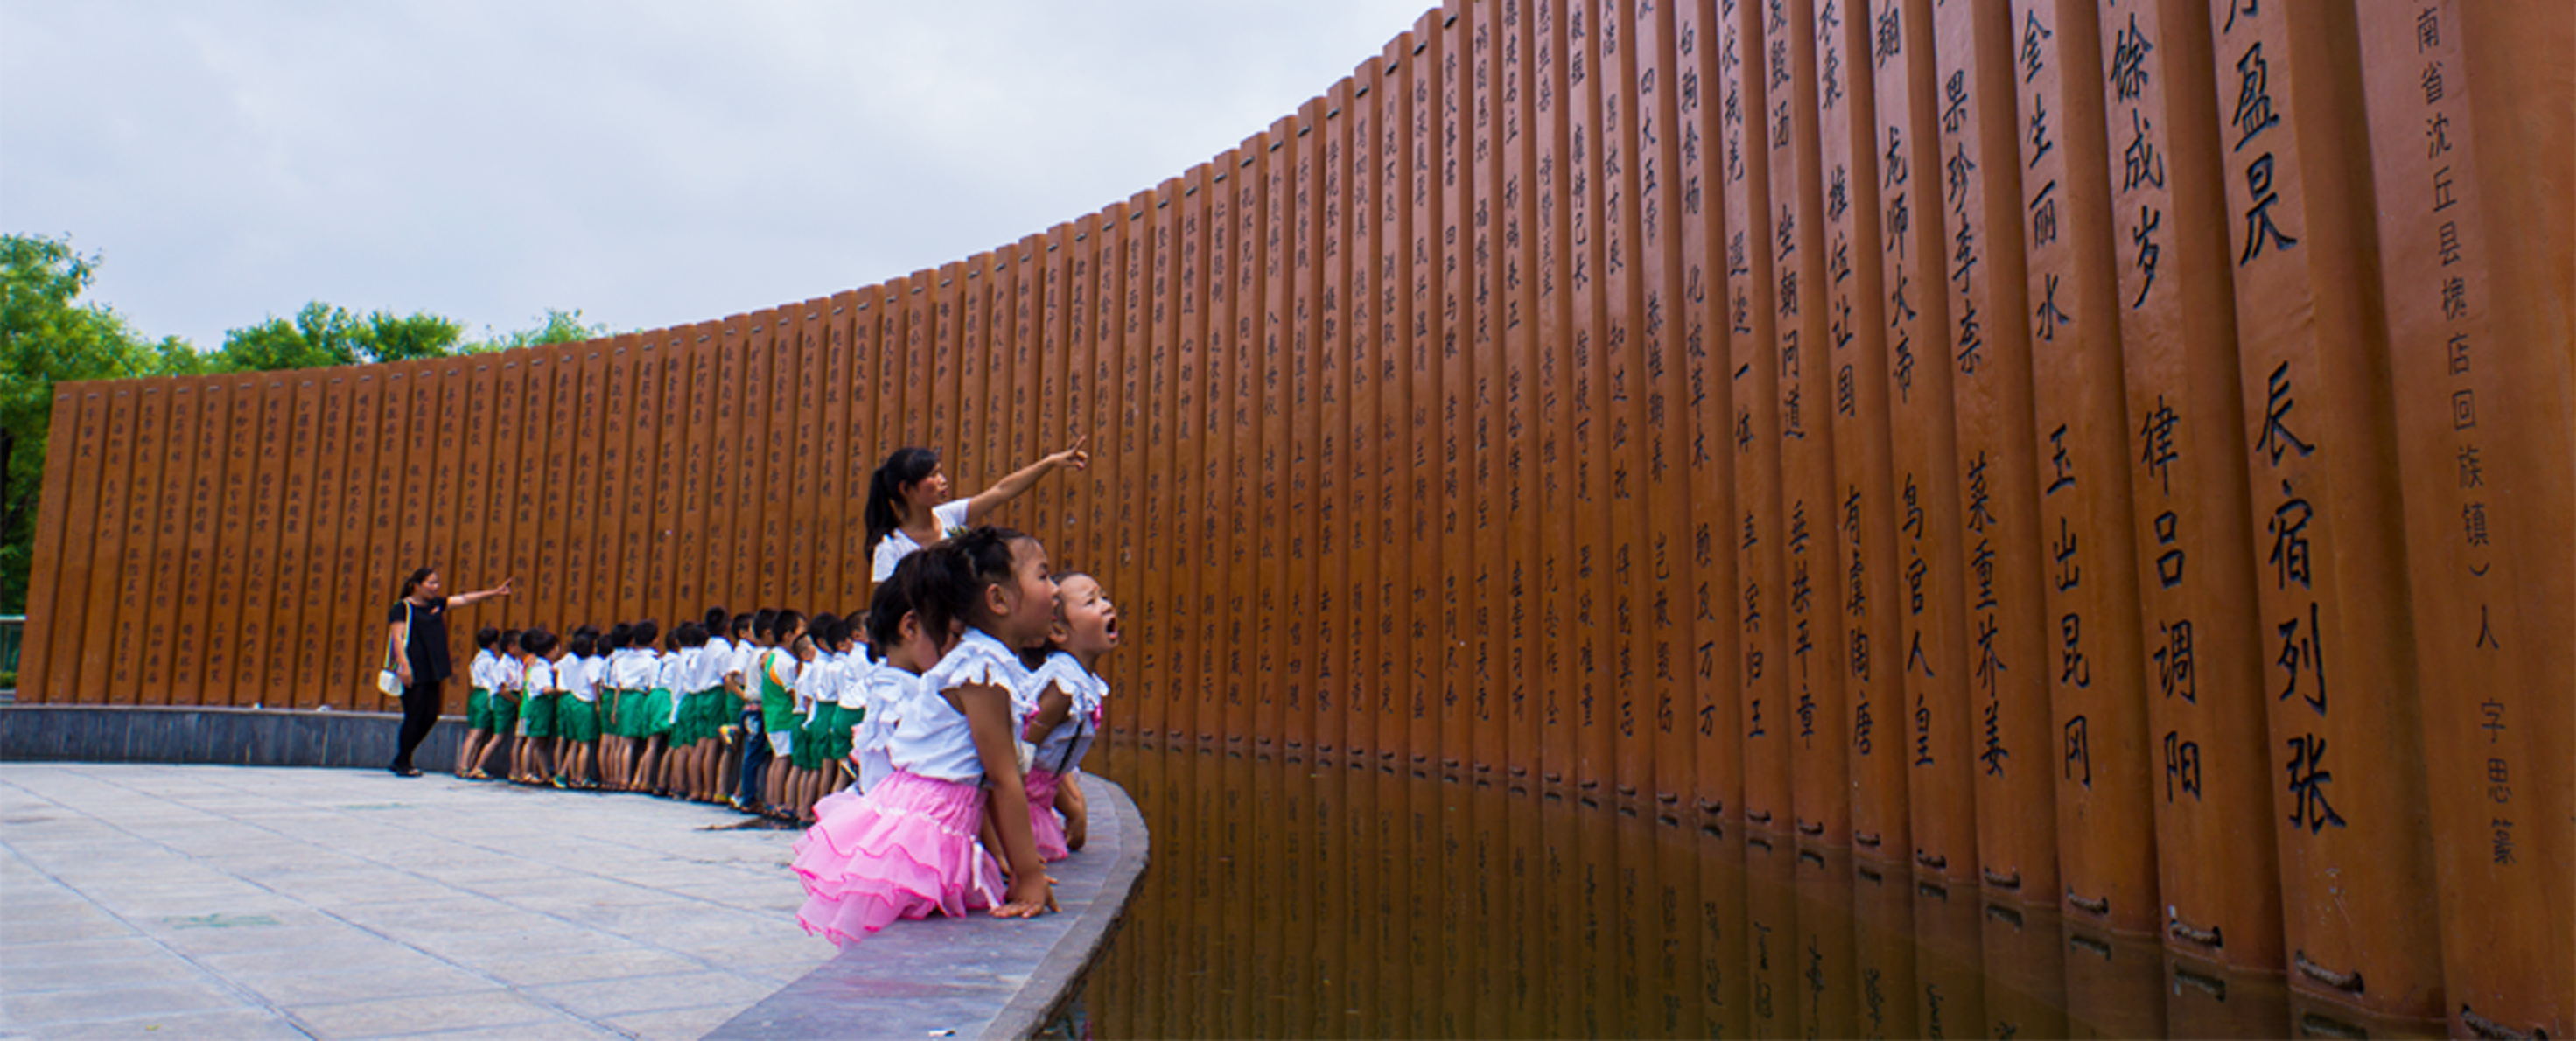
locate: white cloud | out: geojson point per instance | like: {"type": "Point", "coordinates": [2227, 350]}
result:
{"type": "Point", "coordinates": [652, 163]}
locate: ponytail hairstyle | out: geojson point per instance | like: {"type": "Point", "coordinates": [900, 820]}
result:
{"type": "Point", "coordinates": [972, 562]}
{"type": "Point", "coordinates": [884, 512]}
{"type": "Point", "coordinates": [897, 596]}
{"type": "Point", "coordinates": [412, 581]}
{"type": "Point", "coordinates": [485, 637]}
{"type": "Point", "coordinates": [781, 624]}
{"type": "Point", "coordinates": [643, 635]}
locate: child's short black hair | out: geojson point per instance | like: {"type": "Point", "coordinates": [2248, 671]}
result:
{"type": "Point", "coordinates": [620, 637]}
{"type": "Point", "coordinates": [742, 626]}
{"type": "Point", "coordinates": [689, 634]}
{"type": "Point", "coordinates": [644, 633]}
{"type": "Point", "coordinates": [762, 619]}
{"type": "Point", "coordinates": [781, 623]}
{"type": "Point", "coordinates": [584, 643]}
{"type": "Point", "coordinates": [536, 641]}
{"type": "Point", "coordinates": [485, 637]}
{"type": "Point", "coordinates": [967, 565]}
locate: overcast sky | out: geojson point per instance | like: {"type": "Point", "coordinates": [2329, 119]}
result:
{"type": "Point", "coordinates": [648, 162]}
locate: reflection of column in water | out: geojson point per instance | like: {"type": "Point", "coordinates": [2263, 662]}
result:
{"type": "Point", "coordinates": [1598, 1009]}
{"type": "Point", "coordinates": [1882, 952]}
{"type": "Point", "coordinates": [1771, 935]}
{"type": "Point", "coordinates": [1824, 956]}
{"type": "Point", "coordinates": [2201, 1001]}
{"type": "Point", "coordinates": [2112, 984]}
{"type": "Point", "coordinates": [2025, 971]}
{"type": "Point", "coordinates": [1677, 930]}
{"type": "Point", "coordinates": [1724, 998]}
{"type": "Point", "coordinates": [1950, 995]}
{"type": "Point", "coordinates": [1552, 871]}
{"type": "Point", "coordinates": [1634, 891]}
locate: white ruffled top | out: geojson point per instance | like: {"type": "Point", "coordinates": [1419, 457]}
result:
{"type": "Point", "coordinates": [931, 738]}
{"type": "Point", "coordinates": [1062, 749]}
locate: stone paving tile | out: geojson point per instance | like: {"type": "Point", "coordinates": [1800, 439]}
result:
{"type": "Point", "coordinates": [247, 1026]}
{"type": "Point", "coordinates": [603, 999]}
{"type": "Point", "coordinates": [407, 1016]}
{"type": "Point", "coordinates": [679, 1023]}
{"type": "Point", "coordinates": [49, 1008]}
{"type": "Point", "coordinates": [285, 902]}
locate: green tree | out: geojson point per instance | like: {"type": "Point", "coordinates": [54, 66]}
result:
{"type": "Point", "coordinates": [48, 335]}
{"type": "Point", "coordinates": [558, 327]}
{"type": "Point", "coordinates": [321, 335]}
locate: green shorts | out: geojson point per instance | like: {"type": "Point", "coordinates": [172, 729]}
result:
{"type": "Point", "coordinates": [537, 715]}
{"type": "Point", "coordinates": [478, 710]}
{"type": "Point", "coordinates": [505, 713]}
{"type": "Point", "coordinates": [688, 719]}
{"type": "Point", "coordinates": [576, 720]}
{"type": "Point", "coordinates": [657, 714]}
{"type": "Point", "coordinates": [630, 713]}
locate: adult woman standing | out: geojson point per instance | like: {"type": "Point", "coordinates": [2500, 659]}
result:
{"type": "Point", "coordinates": [416, 642]}
{"type": "Point", "coordinates": [908, 507]}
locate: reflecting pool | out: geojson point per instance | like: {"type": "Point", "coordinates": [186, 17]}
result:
{"type": "Point", "coordinates": [1292, 899]}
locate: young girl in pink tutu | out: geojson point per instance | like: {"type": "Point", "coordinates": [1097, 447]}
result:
{"type": "Point", "coordinates": [907, 847]}
{"type": "Point", "coordinates": [1070, 694]}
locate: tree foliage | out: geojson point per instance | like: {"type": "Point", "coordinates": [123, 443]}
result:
{"type": "Point", "coordinates": [49, 334]}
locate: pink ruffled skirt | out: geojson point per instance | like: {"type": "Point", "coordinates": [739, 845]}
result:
{"type": "Point", "coordinates": [1043, 821]}
{"type": "Point", "coordinates": [903, 850]}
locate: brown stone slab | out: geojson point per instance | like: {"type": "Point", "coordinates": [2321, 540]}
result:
{"type": "Point", "coordinates": [2348, 797]}
{"type": "Point", "coordinates": [1813, 538]}
{"type": "Point", "coordinates": [1868, 577]}
{"type": "Point", "coordinates": [176, 447]}
{"type": "Point", "coordinates": [2187, 476]}
{"type": "Point", "coordinates": [1716, 659]}
{"type": "Point", "coordinates": [48, 588]}
{"type": "Point", "coordinates": [2106, 755]}
{"type": "Point", "coordinates": [105, 670]}
{"type": "Point", "coordinates": [1757, 533]}
{"type": "Point", "coordinates": [1938, 727]}
{"type": "Point", "coordinates": [2483, 454]}
{"type": "Point", "coordinates": [1988, 347]}
{"type": "Point", "coordinates": [135, 516]}
{"type": "Point", "coordinates": [296, 653]}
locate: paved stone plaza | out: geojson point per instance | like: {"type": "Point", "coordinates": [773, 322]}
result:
{"type": "Point", "coordinates": [216, 901]}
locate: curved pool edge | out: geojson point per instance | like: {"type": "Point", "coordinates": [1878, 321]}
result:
{"type": "Point", "coordinates": [975, 976]}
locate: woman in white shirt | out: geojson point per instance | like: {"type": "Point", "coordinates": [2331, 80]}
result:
{"type": "Point", "coordinates": [908, 506]}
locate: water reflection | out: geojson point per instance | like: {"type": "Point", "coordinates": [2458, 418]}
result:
{"type": "Point", "coordinates": [1298, 899]}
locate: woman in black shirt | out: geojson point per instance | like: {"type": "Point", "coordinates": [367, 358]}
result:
{"type": "Point", "coordinates": [416, 642]}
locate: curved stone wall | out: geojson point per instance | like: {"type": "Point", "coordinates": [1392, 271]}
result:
{"type": "Point", "coordinates": [2116, 457]}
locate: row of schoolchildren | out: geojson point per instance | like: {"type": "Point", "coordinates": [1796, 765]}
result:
{"type": "Point", "coordinates": [933, 744]}
{"type": "Point", "coordinates": [616, 711]}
